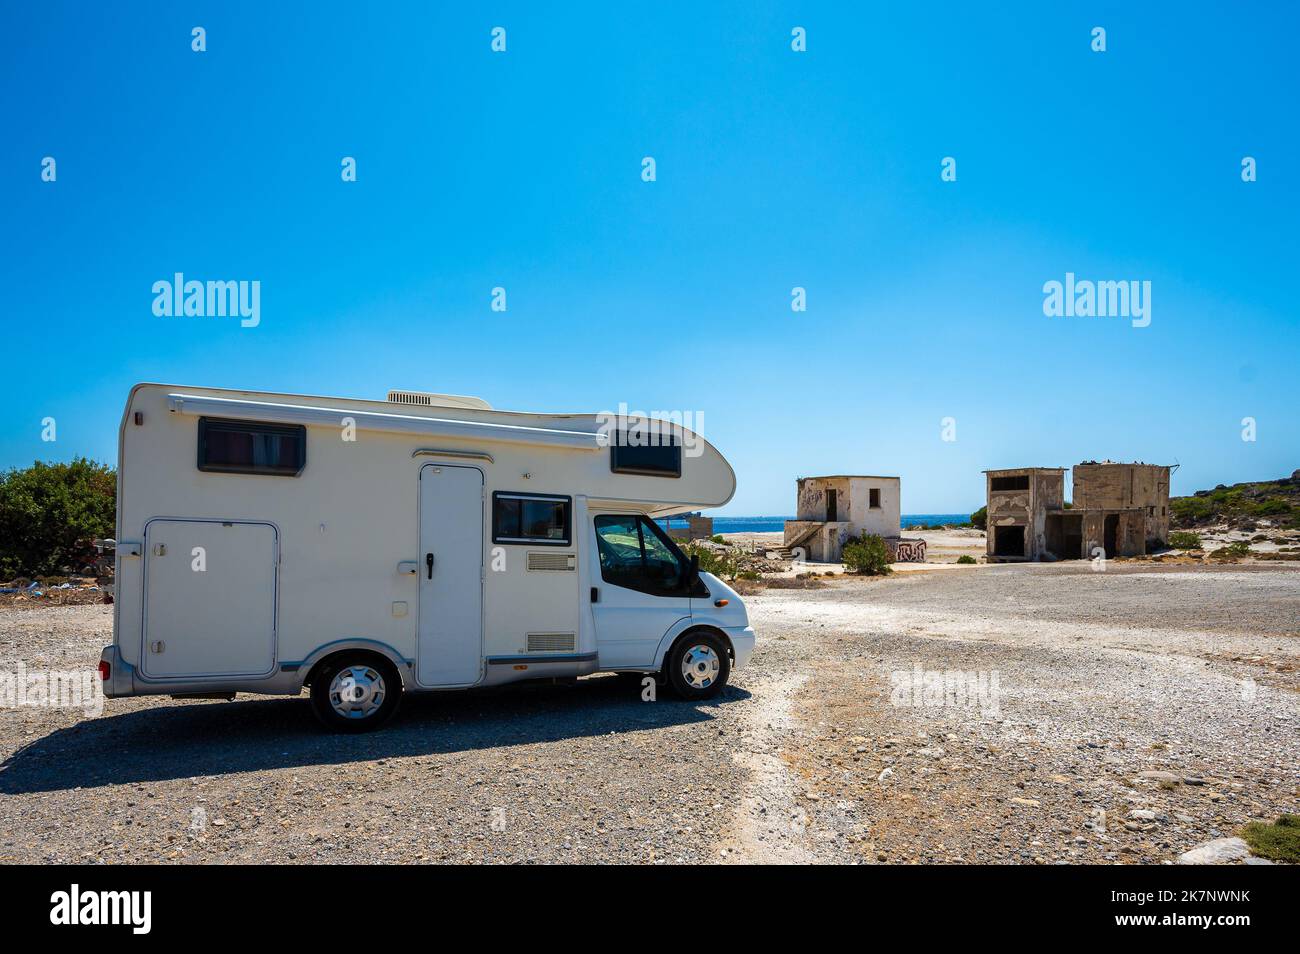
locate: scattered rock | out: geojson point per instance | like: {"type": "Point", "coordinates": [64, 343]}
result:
{"type": "Point", "coordinates": [1158, 776]}
{"type": "Point", "coordinates": [1221, 851]}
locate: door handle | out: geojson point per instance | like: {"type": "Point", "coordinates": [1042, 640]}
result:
{"type": "Point", "coordinates": [428, 562]}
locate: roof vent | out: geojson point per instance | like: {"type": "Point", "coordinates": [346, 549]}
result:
{"type": "Point", "coordinates": [426, 399]}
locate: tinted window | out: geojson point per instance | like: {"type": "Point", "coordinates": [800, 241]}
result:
{"type": "Point", "coordinates": [250, 447]}
{"type": "Point", "coordinates": [656, 460]}
{"type": "Point", "coordinates": [634, 553]}
{"type": "Point", "coordinates": [530, 518]}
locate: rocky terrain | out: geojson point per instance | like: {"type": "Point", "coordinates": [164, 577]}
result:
{"type": "Point", "coordinates": [1137, 713]}
{"type": "Point", "coordinates": [1247, 506]}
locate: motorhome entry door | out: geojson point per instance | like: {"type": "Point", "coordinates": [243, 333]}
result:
{"type": "Point", "coordinates": [450, 651]}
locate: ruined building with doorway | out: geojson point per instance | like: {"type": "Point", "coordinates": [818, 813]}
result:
{"type": "Point", "coordinates": [1118, 510]}
{"type": "Point", "coordinates": [832, 510]}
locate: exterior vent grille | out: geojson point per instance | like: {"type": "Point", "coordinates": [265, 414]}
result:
{"type": "Point", "coordinates": [551, 642]}
{"type": "Point", "coordinates": [429, 399]}
{"type": "Point", "coordinates": [550, 561]}
{"type": "Point", "coordinates": [410, 397]}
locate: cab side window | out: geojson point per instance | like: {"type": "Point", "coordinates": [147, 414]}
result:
{"type": "Point", "coordinates": [634, 553]}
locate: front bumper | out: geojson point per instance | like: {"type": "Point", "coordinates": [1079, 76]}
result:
{"type": "Point", "coordinates": [742, 644]}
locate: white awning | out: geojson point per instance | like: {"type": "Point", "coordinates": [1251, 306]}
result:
{"type": "Point", "coordinates": [380, 421]}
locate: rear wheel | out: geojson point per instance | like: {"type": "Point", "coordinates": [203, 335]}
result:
{"type": "Point", "coordinates": [355, 692]}
{"type": "Point", "coordinates": [698, 666]}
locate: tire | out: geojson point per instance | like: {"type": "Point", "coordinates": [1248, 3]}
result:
{"type": "Point", "coordinates": [375, 686]}
{"type": "Point", "coordinates": [698, 665]}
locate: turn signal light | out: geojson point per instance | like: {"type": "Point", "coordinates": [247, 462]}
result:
{"type": "Point", "coordinates": [721, 602]}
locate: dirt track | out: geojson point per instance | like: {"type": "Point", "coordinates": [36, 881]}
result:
{"type": "Point", "coordinates": [1101, 676]}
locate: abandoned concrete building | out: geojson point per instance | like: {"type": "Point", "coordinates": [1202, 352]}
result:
{"type": "Point", "coordinates": [831, 510]}
{"type": "Point", "coordinates": [1118, 509]}
{"type": "Point", "coordinates": [686, 527]}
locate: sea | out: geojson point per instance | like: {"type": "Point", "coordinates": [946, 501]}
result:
{"type": "Point", "coordinates": [725, 525]}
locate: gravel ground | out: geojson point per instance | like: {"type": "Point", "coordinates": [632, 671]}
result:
{"type": "Point", "coordinates": [1141, 711]}
{"type": "Point", "coordinates": [1188, 671]}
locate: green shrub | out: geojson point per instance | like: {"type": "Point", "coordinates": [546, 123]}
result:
{"type": "Point", "coordinates": [1232, 551]}
{"type": "Point", "coordinates": [718, 538]}
{"type": "Point", "coordinates": [1185, 540]}
{"type": "Point", "coordinates": [710, 560]}
{"type": "Point", "coordinates": [868, 554]}
{"type": "Point", "coordinates": [1190, 510]}
{"type": "Point", "coordinates": [966, 558]}
{"type": "Point", "coordinates": [1269, 499]}
{"type": "Point", "coordinates": [1279, 841]}
{"type": "Point", "coordinates": [50, 513]}
{"type": "Point", "coordinates": [980, 518]}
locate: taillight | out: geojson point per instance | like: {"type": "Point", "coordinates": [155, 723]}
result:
{"type": "Point", "coordinates": [105, 669]}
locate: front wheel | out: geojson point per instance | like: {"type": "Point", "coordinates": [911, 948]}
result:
{"type": "Point", "coordinates": [355, 692]}
{"type": "Point", "coordinates": [698, 666]}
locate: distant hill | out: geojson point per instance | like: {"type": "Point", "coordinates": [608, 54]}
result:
{"type": "Point", "coordinates": [1241, 505]}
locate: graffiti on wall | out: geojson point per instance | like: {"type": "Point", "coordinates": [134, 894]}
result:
{"type": "Point", "coordinates": [908, 551]}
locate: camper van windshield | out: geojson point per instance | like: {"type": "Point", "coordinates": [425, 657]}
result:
{"type": "Point", "coordinates": [635, 553]}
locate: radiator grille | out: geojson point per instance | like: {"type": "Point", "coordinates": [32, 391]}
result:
{"type": "Point", "coordinates": [543, 560]}
{"type": "Point", "coordinates": [551, 642]}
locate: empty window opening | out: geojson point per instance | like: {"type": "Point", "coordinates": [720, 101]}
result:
{"type": "Point", "coordinates": [832, 506]}
{"type": "Point", "coordinates": [873, 498]}
{"type": "Point", "coordinates": [1009, 541]}
{"type": "Point", "coordinates": [1010, 483]}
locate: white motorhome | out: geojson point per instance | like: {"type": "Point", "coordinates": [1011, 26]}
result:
{"type": "Point", "coordinates": [267, 542]}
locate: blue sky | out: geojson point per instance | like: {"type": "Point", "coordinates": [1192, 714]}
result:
{"type": "Point", "coordinates": [775, 169]}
